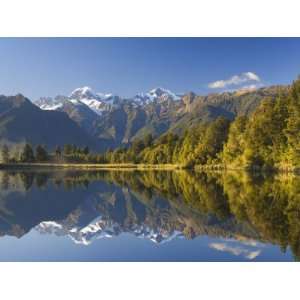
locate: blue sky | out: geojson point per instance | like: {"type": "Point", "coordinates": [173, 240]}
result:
{"type": "Point", "coordinates": [127, 66]}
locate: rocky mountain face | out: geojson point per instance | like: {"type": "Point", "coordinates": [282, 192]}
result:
{"type": "Point", "coordinates": [114, 121]}
{"type": "Point", "coordinates": [103, 121]}
{"type": "Point", "coordinates": [21, 121]}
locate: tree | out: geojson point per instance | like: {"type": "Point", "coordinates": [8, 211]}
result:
{"type": "Point", "coordinates": [213, 141]}
{"type": "Point", "coordinates": [74, 149]}
{"type": "Point", "coordinates": [137, 146]}
{"type": "Point", "coordinates": [235, 147]}
{"type": "Point", "coordinates": [58, 151]}
{"type": "Point", "coordinates": [67, 149]}
{"type": "Point", "coordinates": [293, 124]}
{"type": "Point", "coordinates": [5, 154]}
{"type": "Point", "coordinates": [264, 135]}
{"type": "Point", "coordinates": [148, 140]}
{"type": "Point", "coordinates": [27, 154]}
{"type": "Point", "coordinates": [191, 140]}
{"type": "Point", "coordinates": [41, 153]}
{"type": "Point", "coordinates": [86, 150]}
{"type": "Point", "coordinates": [15, 157]}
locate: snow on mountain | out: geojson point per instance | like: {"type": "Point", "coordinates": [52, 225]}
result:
{"type": "Point", "coordinates": [95, 105]}
{"type": "Point", "coordinates": [157, 94]}
{"type": "Point", "coordinates": [97, 102]}
{"type": "Point", "coordinates": [104, 97]}
{"type": "Point", "coordinates": [86, 93]}
{"type": "Point", "coordinates": [163, 94]}
{"type": "Point", "coordinates": [100, 102]}
{"type": "Point", "coordinates": [48, 103]}
{"type": "Point", "coordinates": [82, 96]}
{"type": "Point", "coordinates": [83, 93]}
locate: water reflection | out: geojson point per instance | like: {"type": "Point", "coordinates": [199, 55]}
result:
{"type": "Point", "coordinates": [243, 211]}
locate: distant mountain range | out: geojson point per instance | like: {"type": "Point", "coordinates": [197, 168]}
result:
{"type": "Point", "coordinates": [21, 121]}
{"type": "Point", "coordinates": [103, 121]}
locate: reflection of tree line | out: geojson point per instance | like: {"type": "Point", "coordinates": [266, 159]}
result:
{"type": "Point", "coordinates": [200, 191]}
{"type": "Point", "coordinates": [271, 205]}
{"type": "Point", "coordinates": [160, 205]}
{"type": "Point", "coordinates": [28, 179]}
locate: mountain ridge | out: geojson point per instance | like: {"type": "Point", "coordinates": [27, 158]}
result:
{"type": "Point", "coordinates": [21, 121]}
{"type": "Point", "coordinates": [105, 120]}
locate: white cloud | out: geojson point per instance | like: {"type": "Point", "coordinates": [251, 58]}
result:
{"type": "Point", "coordinates": [243, 78]}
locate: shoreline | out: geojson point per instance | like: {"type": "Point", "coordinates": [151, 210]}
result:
{"type": "Point", "coordinates": [139, 167]}
{"type": "Point", "coordinates": [253, 170]}
{"type": "Point", "coordinates": [74, 166]}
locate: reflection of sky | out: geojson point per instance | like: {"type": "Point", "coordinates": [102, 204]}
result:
{"type": "Point", "coordinates": [83, 225]}
{"type": "Point", "coordinates": [246, 248]}
{"type": "Point", "coordinates": [240, 248]}
{"type": "Point", "coordinates": [126, 247]}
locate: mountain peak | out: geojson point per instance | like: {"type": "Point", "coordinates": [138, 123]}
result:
{"type": "Point", "coordinates": [158, 94]}
{"type": "Point", "coordinates": [159, 91]}
{"type": "Point", "coordinates": [163, 94]}
{"type": "Point", "coordinates": [83, 93]}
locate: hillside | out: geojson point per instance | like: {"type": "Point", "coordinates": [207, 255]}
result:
{"type": "Point", "coordinates": [116, 121]}
{"type": "Point", "coordinates": [21, 121]}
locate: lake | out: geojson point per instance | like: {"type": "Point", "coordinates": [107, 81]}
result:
{"type": "Point", "coordinates": [65, 215]}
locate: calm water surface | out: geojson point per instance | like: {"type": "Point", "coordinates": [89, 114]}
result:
{"type": "Point", "coordinates": [148, 216]}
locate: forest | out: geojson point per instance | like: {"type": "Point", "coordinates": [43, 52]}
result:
{"type": "Point", "coordinates": [268, 139]}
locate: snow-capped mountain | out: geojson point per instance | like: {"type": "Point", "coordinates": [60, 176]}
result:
{"type": "Point", "coordinates": [97, 102]}
{"type": "Point", "coordinates": [83, 93]}
{"type": "Point", "coordinates": [100, 102]}
{"type": "Point", "coordinates": [48, 103]}
{"type": "Point", "coordinates": [81, 96]}
{"type": "Point", "coordinates": [158, 94]}
{"type": "Point", "coordinates": [113, 121]}
{"type": "Point", "coordinates": [108, 117]}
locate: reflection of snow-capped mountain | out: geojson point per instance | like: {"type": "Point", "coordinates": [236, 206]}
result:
{"type": "Point", "coordinates": [104, 229]}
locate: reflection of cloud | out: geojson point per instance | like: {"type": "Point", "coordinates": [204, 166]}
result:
{"type": "Point", "coordinates": [245, 241]}
{"type": "Point", "coordinates": [249, 242]}
{"type": "Point", "coordinates": [253, 254]}
{"type": "Point", "coordinates": [247, 77]}
{"type": "Point", "coordinates": [235, 250]}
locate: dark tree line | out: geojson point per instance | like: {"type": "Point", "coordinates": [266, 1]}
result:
{"type": "Point", "coordinates": [40, 154]}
